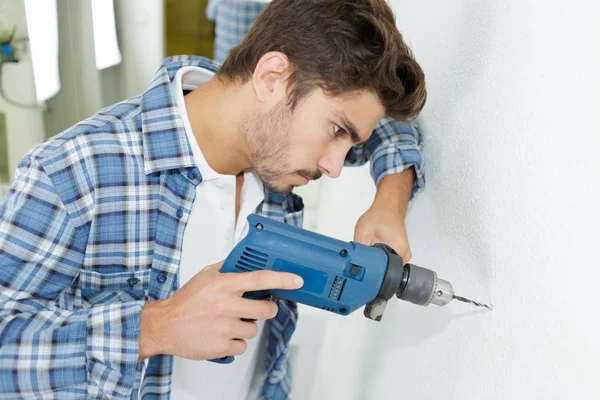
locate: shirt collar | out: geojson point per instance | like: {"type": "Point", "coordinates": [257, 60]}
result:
{"type": "Point", "coordinates": [190, 78]}
{"type": "Point", "coordinates": [164, 139]}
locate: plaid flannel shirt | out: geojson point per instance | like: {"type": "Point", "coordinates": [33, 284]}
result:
{"type": "Point", "coordinates": [92, 228]}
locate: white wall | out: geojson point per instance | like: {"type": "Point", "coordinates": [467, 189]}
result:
{"type": "Point", "coordinates": [85, 89]}
{"type": "Point", "coordinates": [81, 93]}
{"type": "Point", "coordinates": [140, 24]}
{"type": "Point", "coordinates": [509, 215]}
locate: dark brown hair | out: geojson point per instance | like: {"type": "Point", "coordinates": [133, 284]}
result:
{"type": "Point", "coordinates": [341, 46]}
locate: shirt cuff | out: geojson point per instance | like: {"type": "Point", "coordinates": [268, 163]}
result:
{"type": "Point", "coordinates": [395, 158]}
{"type": "Point", "coordinates": [112, 351]}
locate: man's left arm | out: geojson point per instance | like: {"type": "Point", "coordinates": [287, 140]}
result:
{"type": "Point", "coordinates": [396, 155]}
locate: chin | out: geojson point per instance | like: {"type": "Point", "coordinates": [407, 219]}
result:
{"type": "Point", "coordinates": [282, 190]}
{"type": "Point", "coordinates": [278, 188]}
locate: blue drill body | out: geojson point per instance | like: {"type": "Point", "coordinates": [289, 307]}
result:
{"type": "Point", "coordinates": [339, 276]}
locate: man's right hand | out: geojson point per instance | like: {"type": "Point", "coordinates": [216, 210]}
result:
{"type": "Point", "coordinates": [202, 320]}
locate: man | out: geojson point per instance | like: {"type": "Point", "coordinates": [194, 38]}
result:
{"type": "Point", "coordinates": [113, 233]}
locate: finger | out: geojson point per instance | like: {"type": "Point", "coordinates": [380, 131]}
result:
{"type": "Point", "coordinates": [402, 249]}
{"type": "Point", "coordinates": [398, 248]}
{"type": "Point", "coordinates": [244, 330]}
{"type": "Point", "coordinates": [264, 280]}
{"type": "Point", "coordinates": [249, 309]}
{"type": "Point", "coordinates": [237, 347]}
{"type": "Point", "coordinates": [362, 236]}
{"type": "Point", "coordinates": [258, 309]}
{"type": "Point", "coordinates": [407, 256]}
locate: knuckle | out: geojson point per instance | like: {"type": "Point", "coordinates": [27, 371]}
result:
{"type": "Point", "coordinates": [214, 281]}
{"type": "Point", "coordinates": [222, 282]}
{"type": "Point", "coordinates": [231, 328]}
{"type": "Point", "coordinates": [227, 347]}
{"type": "Point", "coordinates": [218, 308]}
{"type": "Point", "coordinates": [213, 267]}
{"type": "Point", "coordinates": [263, 276]}
{"type": "Point", "coordinates": [222, 348]}
{"type": "Point", "coordinates": [224, 329]}
{"type": "Point", "coordinates": [217, 266]}
{"type": "Point", "coordinates": [260, 278]}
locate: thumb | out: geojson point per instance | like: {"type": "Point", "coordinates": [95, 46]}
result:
{"type": "Point", "coordinates": [363, 236]}
{"type": "Point", "coordinates": [214, 267]}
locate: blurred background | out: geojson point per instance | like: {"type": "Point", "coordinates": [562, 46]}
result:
{"type": "Point", "coordinates": [76, 57]}
{"type": "Point", "coordinates": [67, 70]}
{"type": "Point", "coordinates": [509, 214]}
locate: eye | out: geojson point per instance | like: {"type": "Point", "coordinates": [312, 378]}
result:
{"type": "Point", "coordinates": [338, 130]}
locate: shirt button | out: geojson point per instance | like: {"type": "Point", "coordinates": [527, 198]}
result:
{"type": "Point", "coordinates": [180, 213]}
{"type": "Point", "coordinates": [223, 205]}
{"type": "Point", "coordinates": [191, 175]}
{"type": "Point", "coordinates": [132, 281]}
{"type": "Point", "coordinates": [219, 185]}
{"type": "Point", "coordinates": [162, 277]}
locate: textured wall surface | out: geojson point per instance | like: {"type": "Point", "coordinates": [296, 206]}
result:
{"type": "Point", "coordinates": [509, 215]}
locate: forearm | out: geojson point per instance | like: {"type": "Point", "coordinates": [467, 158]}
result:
{"type": "Point", "coordinates": [394, 190]}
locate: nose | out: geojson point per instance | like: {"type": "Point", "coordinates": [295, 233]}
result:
{"type": "Point", "coordinates": [332, 163]}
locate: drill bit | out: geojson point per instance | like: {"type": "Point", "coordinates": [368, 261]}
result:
{"type": "Point", "coordinates": [464, 300]}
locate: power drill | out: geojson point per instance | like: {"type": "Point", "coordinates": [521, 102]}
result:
{"type": "Point", "coordinates": [339, 276]}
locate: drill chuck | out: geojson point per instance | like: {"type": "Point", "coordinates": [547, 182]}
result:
{"type": "Point", "coordinates": [422, 286]}
{"type": "Point", "coordinates": [408, 282]}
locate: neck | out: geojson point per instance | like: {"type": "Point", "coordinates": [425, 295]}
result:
{"type": "Point", "coordinates": [215, 111]}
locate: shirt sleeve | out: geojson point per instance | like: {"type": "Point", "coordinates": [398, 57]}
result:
{"type": "Point", "coordinates": [49, 347]}
{"type": "Point", "coordinates": [392, 148]}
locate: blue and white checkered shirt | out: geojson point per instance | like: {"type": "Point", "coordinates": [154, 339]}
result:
{"type": "Point", "coordinates": [92, 228]}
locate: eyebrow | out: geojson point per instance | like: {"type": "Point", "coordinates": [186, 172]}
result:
{"type": "Point", "coordinates": [349, 127]}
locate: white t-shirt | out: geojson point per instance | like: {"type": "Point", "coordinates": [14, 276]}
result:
{"type": "Point", "coordinates": [210, 235]}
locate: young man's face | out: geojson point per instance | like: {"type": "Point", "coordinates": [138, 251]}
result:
{"type": "Point", "coordinates": [289, 148]}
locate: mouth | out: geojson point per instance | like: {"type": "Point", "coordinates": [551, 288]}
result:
{"type": "Point", "coordinates": [306, 180]}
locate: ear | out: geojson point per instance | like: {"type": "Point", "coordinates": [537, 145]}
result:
{"type": "Point", "coordinates": [269, 79]}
